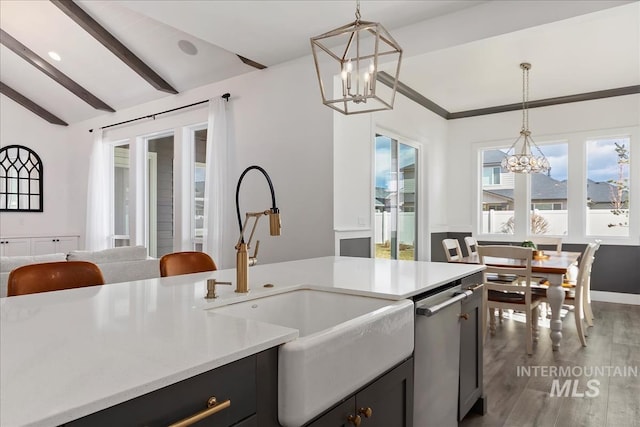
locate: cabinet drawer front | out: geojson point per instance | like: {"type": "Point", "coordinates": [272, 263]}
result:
{"type": "Point", "coordinates": [235, 381]}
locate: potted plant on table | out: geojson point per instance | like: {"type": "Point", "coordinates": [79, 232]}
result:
{"type": "Point", "coordinates": [530, 244]}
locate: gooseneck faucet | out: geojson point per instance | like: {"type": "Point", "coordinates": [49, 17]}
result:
{"type": "Point", "coordinates": [243, 260]}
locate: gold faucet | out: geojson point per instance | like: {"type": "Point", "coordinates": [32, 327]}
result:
{"type": "Point", "coordinates": [243, 260]}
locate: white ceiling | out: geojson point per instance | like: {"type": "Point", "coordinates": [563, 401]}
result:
{"type": "Point", "coordinates": [586, 52]}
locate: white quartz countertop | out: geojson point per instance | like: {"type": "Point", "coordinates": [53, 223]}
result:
{"type": "Point", "coordinates": [67, 354]}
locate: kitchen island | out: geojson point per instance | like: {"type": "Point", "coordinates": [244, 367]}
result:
{"type": "Point", "coordinates": [68, 354]}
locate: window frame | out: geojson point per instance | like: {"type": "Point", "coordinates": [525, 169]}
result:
{"type": "Point", "coordinates": [493, 175]}
{"type": "Point", "coordinates": [18, 164]}
{"type": "Point", "coordinates": [195, 241]}
{"type": "Point", "coordinates": [420, 187]}
{"type": "Point", "coordinates": [113, 237]}
{"type": "Point", "coordinates": [180, 124]}
{"type": "Point", "coordinates": [576, 187]}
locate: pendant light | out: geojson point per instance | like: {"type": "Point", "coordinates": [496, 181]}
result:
{"type": "Point", "coordinates": [347, 61]}
{"type": "Point", "coordinates": [522, 159]}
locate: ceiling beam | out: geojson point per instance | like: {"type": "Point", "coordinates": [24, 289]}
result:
{"type": "Point", "coordinates": [252, 63]}
{"type": "Point", "coordinates": [51, 71]}
{"type": "Point", "coordinates": [82, 18]}
{"type": "Point", "coordinates": [30, 105]}
{"type": "Point", "coordinates": [587, 96]}
{"type": "Point", "coordinates": [415, 96]}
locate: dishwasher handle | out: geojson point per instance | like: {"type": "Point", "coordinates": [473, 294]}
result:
{"type": "Point", "coordinates": [431, 310]}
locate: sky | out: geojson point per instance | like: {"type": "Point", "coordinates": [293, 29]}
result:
{"type": "Point", "coordinates": [602, 159]}
{"type": "Point", "coordinates": [406, 156]}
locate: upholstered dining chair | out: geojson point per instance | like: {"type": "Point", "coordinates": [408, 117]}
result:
{"type": "Point", "coordinates": [53, 276]}
{"type": "Point", "coordinates": [177, 263]}
{"type": "Point", "coordinates": [576, 293]}
{"type": "Point", "coordinates": [501, 260]}
{"type": "Point", "coordinates": [452, 249]}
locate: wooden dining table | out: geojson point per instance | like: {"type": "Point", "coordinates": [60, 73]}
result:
{"type": "Point", "coordinates": [552, 266]}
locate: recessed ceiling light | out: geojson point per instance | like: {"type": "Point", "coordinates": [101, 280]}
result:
{"type": "Point", "coordinates": [54, 56]}
{"type": "Point", "coordinates": [187, 47]}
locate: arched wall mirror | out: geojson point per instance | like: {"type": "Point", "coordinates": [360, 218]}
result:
{"type": "Point", "coordinates": [20, 179]}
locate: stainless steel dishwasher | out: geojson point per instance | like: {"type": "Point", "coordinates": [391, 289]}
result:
{"type": "Point", "coordinates": [437, 356]}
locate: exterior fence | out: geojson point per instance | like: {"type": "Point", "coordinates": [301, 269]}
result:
{"type": "Point", "coordinates": [598, 221]}
{"type": "Point", "coordinates": [406, 227]}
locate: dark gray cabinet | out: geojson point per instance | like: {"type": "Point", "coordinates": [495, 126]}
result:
{"type": "Point", "coordinates": [237, 382]}
{"type": "Point", "coordinates": [471, 349]}
{"type": "Point", "coordinates": [385, 402]}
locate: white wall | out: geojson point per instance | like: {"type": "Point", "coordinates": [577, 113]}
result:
{"type": "Point", "coordinates": [277, 122]}
{"type": "Point", "coordinates": [21, 127]}
{"type": "Point", "coordinates": [546, 123]}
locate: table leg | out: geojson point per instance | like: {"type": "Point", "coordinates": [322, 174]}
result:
{"type": "Point", "coordinates": [555, 298]}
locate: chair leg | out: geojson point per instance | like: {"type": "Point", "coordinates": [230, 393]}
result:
{"type": "Point", "coordinates": [501, 314]}
{"type": "Point", "coordinates": [492, 321]}
{"type": "Point", "coordinates": [535, 318]}
{"type": "Point", "coordinates": [485, 312]}
{"type": "Point", "coordinates": [528, 332]}
{"type": "Point", "coordinates": [588, 314]}
{"type": "Point", "coordinates": [578, 314]}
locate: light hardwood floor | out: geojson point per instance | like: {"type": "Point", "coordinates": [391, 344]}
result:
{"type": "Point", "coordinates": [525, 400]}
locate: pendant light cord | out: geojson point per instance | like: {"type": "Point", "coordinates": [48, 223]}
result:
{"type": "Point", "coordinates": [525, 96]}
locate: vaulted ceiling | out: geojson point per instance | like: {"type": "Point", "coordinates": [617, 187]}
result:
{"type": "Point", "coordinates": [187, 44]}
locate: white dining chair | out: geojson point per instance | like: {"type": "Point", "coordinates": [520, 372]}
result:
{"type": "Point", "coordinates": [472, 245]}
{"type": "Point", "coordinates": [588, 313]}
{"type": "Point", "coordinates": [575, 294]}
{"type": "Point", "coordinates": [555, 242]}
{"type": "Point", "coordinates": [513, 260]}
{"type": "Point", "coordinates": [452, 249]}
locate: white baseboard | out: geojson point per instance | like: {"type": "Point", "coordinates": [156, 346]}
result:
{"type": "Point", "coordinates": [617, 297]}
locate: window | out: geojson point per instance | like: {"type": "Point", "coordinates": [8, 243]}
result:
{"type": "Point", "coordinates": [491, 175]}
{"type": "Point", "coordinates": [199, 174]}
{"type": "Point", "coordinates": [546, 206]}
{"type": "Point", "coordinates": [160, 227]}
{"type": "Point", "coordinates": [120, 190]}
{"type": "Point", "coordinates": [608, 187]}
{"type": "Point", "coordinates": [497, 201]}
{"type": "Point", "coordinates": [20, 179]}
{"type": "Point", "coordinates": [548, 195]}
{"type": "Point", "coordinates": [395, 199]}
{"type": "Point", "coordinates": [590, 197]}
{"type": "Point", "coordinates": [157, 182]}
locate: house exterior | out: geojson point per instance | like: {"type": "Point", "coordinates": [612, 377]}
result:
{"type": "Point", "coordinates": [547, 193]}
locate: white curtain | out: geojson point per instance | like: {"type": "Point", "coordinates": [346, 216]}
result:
{"type": "Point", "coordinates": [97, 223]}
{"type": "Point", "coordinates": [215, 188]}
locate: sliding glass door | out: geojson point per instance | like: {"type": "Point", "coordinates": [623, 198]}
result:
{"type": "Point", "coordinates": [396, 204]}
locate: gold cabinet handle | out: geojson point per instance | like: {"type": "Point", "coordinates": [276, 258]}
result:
{"type": "Point", "coordinates": [475, 287]}
{"type": "Point", "coordinates": [213, 407]}
{"type": "Point", "coordinates": [355, 420]}
{"type": "Point", "coordinates": [464, 316]}
{"type": "Point", "coordinates": [365, 412]}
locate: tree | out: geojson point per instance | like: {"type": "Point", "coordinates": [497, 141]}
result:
{"type": "Point", "coordinates": [620, 188]}
{"type": "Point", "coordinates": [539, 225]}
